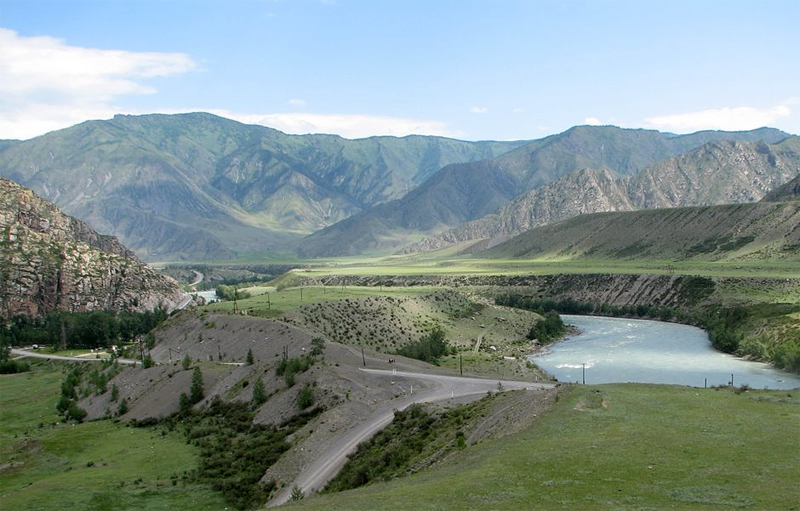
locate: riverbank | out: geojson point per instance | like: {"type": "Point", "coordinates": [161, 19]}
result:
{"type": "Point", "coordinates": [620, 350]}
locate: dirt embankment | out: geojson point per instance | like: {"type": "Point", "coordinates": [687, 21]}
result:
{"type": "Point", "coordinates": [219, 345]}
{"type": "Point", "coordinates": [679, 291]}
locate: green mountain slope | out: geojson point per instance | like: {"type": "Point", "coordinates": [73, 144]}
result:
{"type": "Point", "coordinates": [720, 172]}
{"type": "Point", "coordinates": [464, 192]}
{"type": "Point", "coordinates": [712, 233]}
{"type": "Point", "coordinates": [199, 186]}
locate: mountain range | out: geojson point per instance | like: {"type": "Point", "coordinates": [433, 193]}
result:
{"type": "Point", "coordinates": [719, 172]}
{"type": "Point", "coordinates": [199, 187]}
{"type": "Point", "coordinates": [460, 193]}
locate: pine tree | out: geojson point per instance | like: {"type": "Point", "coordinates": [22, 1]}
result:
{"type": "Point", "coordinates": [259, 393]}
{"type": "Point", "coordinates": [196, 392]}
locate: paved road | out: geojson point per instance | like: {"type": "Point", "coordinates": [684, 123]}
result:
{"type": "Point", "coordinates": [438, 388]}
{"type": "Point", "coordinates": [198, 278]}
{"type": "Point", "coordinates": [37, 354]}
{"type": "Point", "coordinates": [187, 297]}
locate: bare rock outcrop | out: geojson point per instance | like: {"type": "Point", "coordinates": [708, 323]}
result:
{"type": "Point", "coordinates": [50, 261]}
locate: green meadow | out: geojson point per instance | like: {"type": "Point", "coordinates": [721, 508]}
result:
{"type": "Point", "coordinates": [625, 447]}
{"type": "Point", "coordinates": [272, 302]}
{"type": "Point", "coordinates": [439, 264]}
{"type": "Point", "coordinates": [46, 464]}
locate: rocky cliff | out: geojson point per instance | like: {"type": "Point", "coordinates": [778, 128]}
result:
{"type": "Point", "coordinates": [50, 261]}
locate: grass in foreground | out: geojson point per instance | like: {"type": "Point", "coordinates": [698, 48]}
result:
{"type": "Point", "coordinates": [95, 466]}
{"type": "Point", "coordinates": [618, 447]}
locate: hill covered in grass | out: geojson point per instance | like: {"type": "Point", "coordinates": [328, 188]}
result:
{"type": "Point", "coordinates": [713, 233]}
{"type": "Point", "coordinates": [614, 447]}
{"type": "Point", "coordinates": [386, 323]}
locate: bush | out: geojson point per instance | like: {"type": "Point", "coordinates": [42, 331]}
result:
{"type": "Point", "coordinates": [306, 397]}
{"type": "Point", "coordinates": [428, 349]}
{"type": "Point", "coordinates": [548, 329]}
{"type": "Point", "coordinates": [13, 367]}
{"type": "Point", "coordinates": [75, 412]}
{"type": "Point", "coordinates": [259, 393]}
{"type": "Point", "coordinates": [122, 409]}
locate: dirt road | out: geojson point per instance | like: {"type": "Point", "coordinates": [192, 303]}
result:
{"type": "Point", "coordinates": [436, 388]}
{"type": "Point", "coordinates": [36, 354]}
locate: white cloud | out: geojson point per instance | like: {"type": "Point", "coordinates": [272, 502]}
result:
{"type": "Point", "coordinates": [729, 119]}
{"type": "Point", "coordinates": [46, 84]}
{"type": "Point", "coordinates": [478, 110]}
{"type": "Point", "coordinates": [348, 126]}
{"type": "Point", "coordinates": [592, 121]}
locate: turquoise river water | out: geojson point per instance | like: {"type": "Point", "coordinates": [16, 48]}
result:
{"type": "Point", "coordinates": [619, 350]}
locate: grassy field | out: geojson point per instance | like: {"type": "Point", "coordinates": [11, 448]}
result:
{"type": "Point", "coordinates": [436, 265]}
{"type": "Point", "coordinates": [276, 303]}
{"type": "Point", "coordinates": [628, 447]}
{"type": "Point", "coordinates": [94, 466]}
{"type": "Point", "coordinates": [448, 262]}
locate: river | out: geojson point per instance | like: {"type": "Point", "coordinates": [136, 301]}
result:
{"type": "Point", "coordinates": [210, 295]}
{"type": "Point", "coordinates": [619, 350]}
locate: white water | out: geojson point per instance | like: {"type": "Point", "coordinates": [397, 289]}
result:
{"type": "Point", "coordinates": [210, 295]}
{"type": "Point", "coordinates": [618, 350]}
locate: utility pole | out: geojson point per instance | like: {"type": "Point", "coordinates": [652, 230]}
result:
{"type": "Point", "coordinates": [461, 364]}
{"type": "Point", "coordinates": [363, 358]}
{"type": "Point", "coordinates": [584, 373]}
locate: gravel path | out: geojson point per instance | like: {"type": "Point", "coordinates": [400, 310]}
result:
{"type": "Point", "coordinates": [437, 388]}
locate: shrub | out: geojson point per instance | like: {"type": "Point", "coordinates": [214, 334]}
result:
{"type": "Point", "coordinates": [548, 329]}
{"type": "Point", "coordinates": [259, 393]}
{"type": "Point", "coordinates": [306, 397]}
{"type": "Point", "coordinates": [75, 412]}
{"type": "Point", "coordinates": [429, 349]}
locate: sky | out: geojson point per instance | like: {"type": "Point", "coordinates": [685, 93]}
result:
{"type": "Point", "coordinates": [467, 69]}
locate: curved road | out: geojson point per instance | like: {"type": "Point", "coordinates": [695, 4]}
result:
{"type": "Point", "coordinates": [439, 388]}
{"type": "Point", "coordinates": [36, 354]}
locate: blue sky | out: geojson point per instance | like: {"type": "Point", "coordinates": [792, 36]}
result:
{"type": "Point", "coordinates": [481, 69]}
